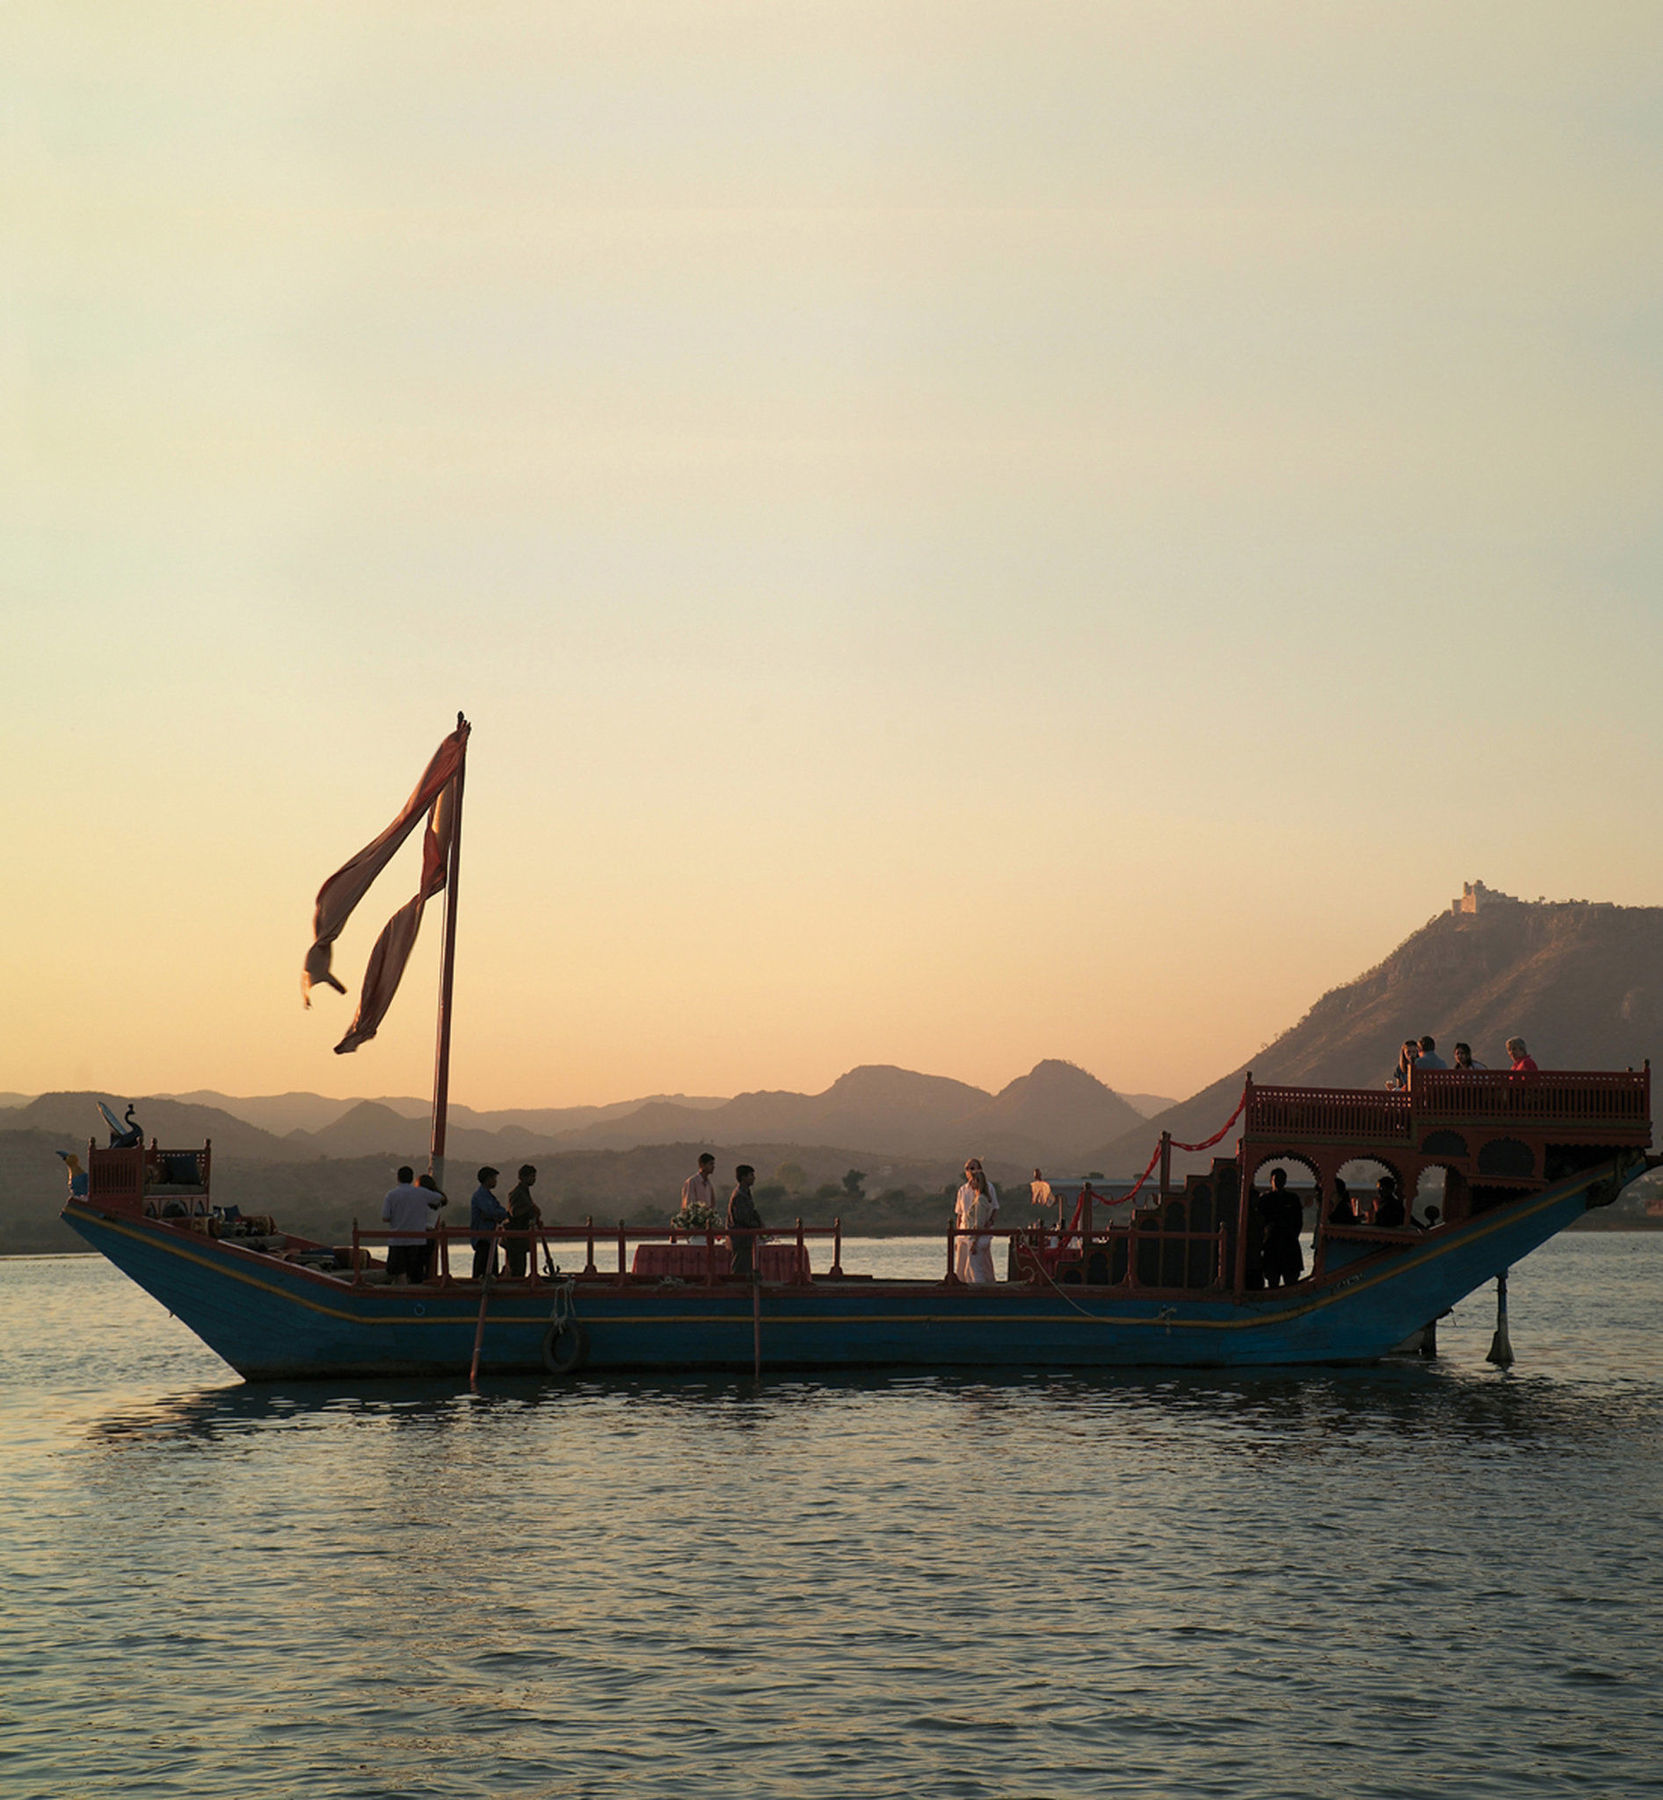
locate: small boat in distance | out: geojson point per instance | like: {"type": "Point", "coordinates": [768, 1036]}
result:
{"type": "Point", "coordinates": [1178, 1281]}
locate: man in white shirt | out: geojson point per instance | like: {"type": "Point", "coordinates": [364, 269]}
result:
{"type": "Point", "coordinates": [409, 1210]}
{"type": "Point", "coordinates": [1039, 1191]}
{"type": "Point", "coordinates": [697, 1190]}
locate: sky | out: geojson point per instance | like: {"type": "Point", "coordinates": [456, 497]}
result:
{"type": "Point", "coordinates": [966, 532]}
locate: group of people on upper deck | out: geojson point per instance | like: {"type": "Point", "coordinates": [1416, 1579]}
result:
{"type": "Point", "coordinates": [1420, 1054]}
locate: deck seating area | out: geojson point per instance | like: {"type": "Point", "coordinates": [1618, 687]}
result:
{"type": "Point", "coordinates": [700, 1261]}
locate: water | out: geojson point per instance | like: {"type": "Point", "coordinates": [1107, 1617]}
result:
{"type": "Point", "coordinates": [1429, 1580]}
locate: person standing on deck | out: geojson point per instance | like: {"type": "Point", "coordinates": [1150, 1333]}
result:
{"type": "Point", "coordinates": [1521, 1062]}
{"type": "Point", "coordinates": [743, 1218]}
{"type": "Point", "coordinates": [1429, 1057]}
{"type": "Point", "coordinates": [1284, 1214]}
{"type": "Point", "coordinates": [975, 1209]}
{"type": "Point", "coordinates": [524, 1214]}
{"type": "Point", "coordinates": [409, 1210]}
{"type": "Point", "coordinates": [485, 1213]}
{"type": "Point", "coordinates": [1463, 1058]}
{"type": "Point", "coordinates": [698, 1190]}
{"type": "Point", "coordinates": [1041, 1193]}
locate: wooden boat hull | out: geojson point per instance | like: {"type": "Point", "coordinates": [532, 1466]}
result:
{"type": "Point", "coordinates": [275, 1320]}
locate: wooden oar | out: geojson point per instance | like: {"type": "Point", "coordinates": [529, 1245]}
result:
{"type": "Point", "coordinates": [756, 1323]}
{"type": "Point", "coordinates": [1501, 1346]}
{"type": "Point", "coordinates": [484, 1298]}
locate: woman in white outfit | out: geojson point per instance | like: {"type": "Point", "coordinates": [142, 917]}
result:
{"type": "Point", "coordinates": [974, 1211]}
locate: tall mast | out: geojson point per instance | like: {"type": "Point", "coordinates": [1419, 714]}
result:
{"type": "Point", "coordinates": [447, 971]}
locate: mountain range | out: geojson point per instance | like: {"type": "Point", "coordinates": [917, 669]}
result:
{"type": "Point", "coordinates": [1056, 1112]}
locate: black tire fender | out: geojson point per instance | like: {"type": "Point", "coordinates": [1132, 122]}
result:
{"type": "Point", "coordinates": [565, 1347]}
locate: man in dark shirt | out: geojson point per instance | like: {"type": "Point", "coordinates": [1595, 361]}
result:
{"type": "Point", "coordinates": [1388, 1210]}
{"type": "Point", "coordinates": [523, 1215]}
{"type": "Point", "coordinates": [484, 1215]}
{"type": "Point", "coordinates": [742, 1219]}
{"type": "Point", "coordinates": [1283, 1213]}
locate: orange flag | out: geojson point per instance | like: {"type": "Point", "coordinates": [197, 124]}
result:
{"type": "Point", "coordinates": [435, 795]}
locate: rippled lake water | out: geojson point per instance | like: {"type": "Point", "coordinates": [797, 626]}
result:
{"type": "Point", "coordinates": [1422, 1580]}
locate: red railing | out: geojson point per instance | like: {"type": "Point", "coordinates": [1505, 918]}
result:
{"type": "Point", "coordinates": [116, 1176]}
{"type": "Point", "coordinates": [123, 1175]}
{"type": "Point", "coordinates": [1595, 1099]}
{"type": "Point", "coordinates": [1349, 1115]}
{"type": "Point", "coordinates": [1043, 1250]}
{"type": "Point", "coordinates": [1579, 1099]}
{"type": "Point", "coordinates": [711, 1249]}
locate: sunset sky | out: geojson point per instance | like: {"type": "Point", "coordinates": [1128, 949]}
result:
{"type": "Point", "coordinates": [966, 532]}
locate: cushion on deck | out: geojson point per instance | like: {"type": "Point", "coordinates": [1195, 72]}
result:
{"type": "Point", "coordinates": [692, 1262]}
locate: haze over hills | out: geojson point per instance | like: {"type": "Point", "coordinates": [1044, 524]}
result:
{"type": "Point", "coordinates": [285, 1113]}
{"type": "Point", "coordinates": [1580, 981]}
{"type": "Point", "coordinates": [1055, 1112]}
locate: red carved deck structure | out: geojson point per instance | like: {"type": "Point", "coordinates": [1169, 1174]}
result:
{"type": "Point", "coordinates": [1495, 1135]}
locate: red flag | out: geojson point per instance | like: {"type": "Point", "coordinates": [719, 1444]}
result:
{"type": "Point", "coordinates": [435, 794]}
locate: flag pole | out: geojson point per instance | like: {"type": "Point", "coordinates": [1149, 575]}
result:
{"type": "Point", "coordinates": [447, 972]}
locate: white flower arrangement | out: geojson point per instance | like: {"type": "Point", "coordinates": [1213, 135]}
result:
{"type": "Point", "coordinates": [697, 1217]}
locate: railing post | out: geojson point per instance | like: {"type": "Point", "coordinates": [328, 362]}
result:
{"type": "Point", "coordinates": [444, 1255]}
{"type": "Point", "coordinates": [1166, 1164]}
{"type": "Point", "coordinates": [589, 1247]}
{"type": "Point", "coordinates": [623, 1272]}
{"type": "Point", "coordinates": [799, 1268]}
{"type": "Point", "coordinates": [837, 1249]}
{"type": "Point", "coordinates": [357, 1271]}
{"type": "Point", "coordinates": [709, 1255]}
{"type": "Point", "coordinates": [952, 1246]}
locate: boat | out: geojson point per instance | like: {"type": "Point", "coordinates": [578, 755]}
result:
{"type": "Point", "coordinates": [1169, 1274]}
{"type": "Point", "coordinates": [1172, 1284]}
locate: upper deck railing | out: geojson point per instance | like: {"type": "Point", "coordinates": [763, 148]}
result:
{"type": "Point", "coordinates": [1604, 1100]}
{"type": "Point", "coordinates": [1360, 1115]}
{"type": "Point", "coordinates": [1598, 1104]}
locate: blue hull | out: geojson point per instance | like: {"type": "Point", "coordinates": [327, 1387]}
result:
{"type": "Point", "coordinates": [269, 1319]}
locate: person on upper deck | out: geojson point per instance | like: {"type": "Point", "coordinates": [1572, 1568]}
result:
{"type": "Point", "coordinates": [1522, 1063]}
{"type": "Point", "coordinates": [976, 1208]}
{"type": "Point", "coordinates": [1388, 1208]}
{"type": "Point", "coordinates": [409, 1209]}
{"type": "Point", "coordinates": [1429, 1057]}
{"type": "Point", "coordinates": [743, 1218]}
{"type": "Point", "coordinates": [1464, 1059]}
{"type": "Point", "coordinates": [485, 1213]}
{"type": "Point", "coordinates": [524, 1214]}
{"type": "Point", "coordinates": [1406, 1059]}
